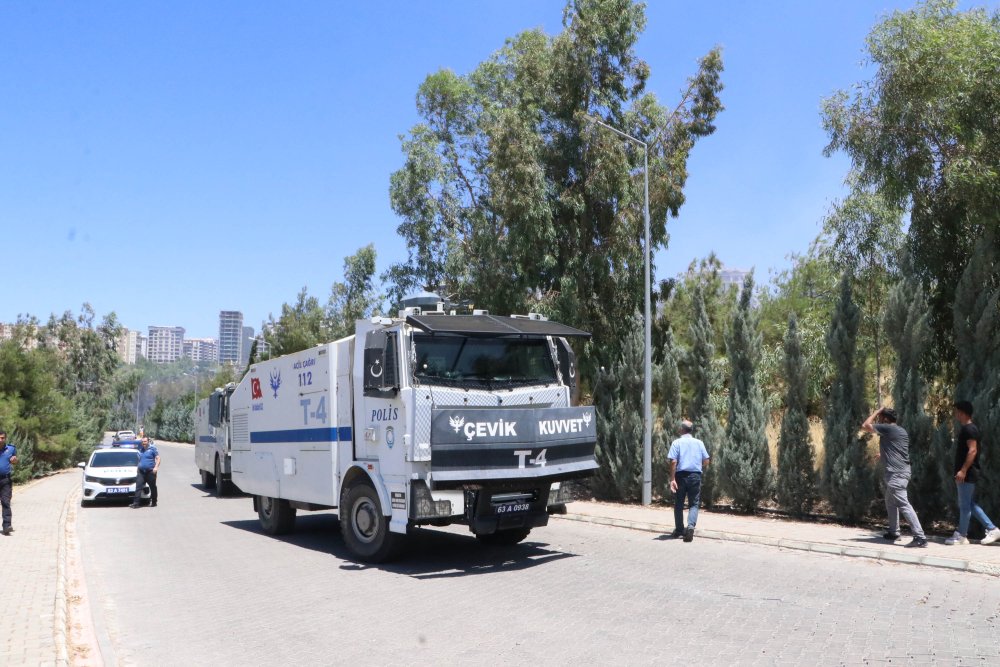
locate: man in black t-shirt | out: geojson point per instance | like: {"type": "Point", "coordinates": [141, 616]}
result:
{"type": "Point", "coordinates": [967, 448]}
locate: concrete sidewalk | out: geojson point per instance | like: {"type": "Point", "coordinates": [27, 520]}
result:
{"type": "Point", "coordinates": [33, 583]}
{"type": "Point", "coordinates": [805, 536]}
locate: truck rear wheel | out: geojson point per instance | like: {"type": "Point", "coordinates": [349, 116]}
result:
{"type": "Point", "coordinates": [504, 537]}
{"type": "Point", "coordinates": [276, 516]}
{"type": "Point", "coordinates": [364, 527]}
{"type": "Point", "coordinates": [221, 486]}
{"type": "Point", "coordinates": [207, 479]}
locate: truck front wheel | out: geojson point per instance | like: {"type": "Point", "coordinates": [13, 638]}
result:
{"type": "Point", "coordinates": [207, 480]}
{"type": "Point", "coordinates": [221, 487]}
{"type": "Point", "coordinates": [364, 527]}
{"type": "Point", "coordinates": [504, 537]}
{"type": "Point", "coordinates": [276, 516]}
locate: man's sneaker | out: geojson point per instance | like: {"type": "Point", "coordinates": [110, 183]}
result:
{"type": "Point", "coordinates": [689, 534]}
{"type": "Point", "coordinates": [892, 537]}
{"type": "Point", "coordinates": [135, 507]}
{"type": "Point", "coordinates": [918, 542]}
{"type": "Point", "coordinates": [678, 532]}
{"type": "Point", "coordinates": [991, 536]}
{"type": "Point", "coordinates": [7, 531]}
{"type": "Point", "coordinates": [957, 538]}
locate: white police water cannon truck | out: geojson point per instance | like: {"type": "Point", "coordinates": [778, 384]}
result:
{"type": "Point", "coordinates": [212, 441]}
{"type": "Point", "coordinates": [425, 419]}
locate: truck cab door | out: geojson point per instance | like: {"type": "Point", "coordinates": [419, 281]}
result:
{"type": "Point", "coordinates": [379, 422]}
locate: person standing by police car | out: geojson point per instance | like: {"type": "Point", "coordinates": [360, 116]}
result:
{"type": "Point", "coordinates": [8, 457]}
{"type": "Point", "coordinates": [149, 464]}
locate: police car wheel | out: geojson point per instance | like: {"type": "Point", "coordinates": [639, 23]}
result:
{"type": "Point", "coordinates": [364, 528]}
{"type": "Point", "coordinates": [504, 537]}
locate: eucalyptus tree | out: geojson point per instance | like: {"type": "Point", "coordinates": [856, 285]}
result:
{"type": "Point", "coordinates": [513, 199]}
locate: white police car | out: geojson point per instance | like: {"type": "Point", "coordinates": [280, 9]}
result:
{"type": "Point", "coordinates": [110, 474]}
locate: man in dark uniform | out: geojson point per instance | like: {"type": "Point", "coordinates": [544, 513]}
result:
{"type": "Point", "coordinates": [149, 464]}
{"type": "Point", "coordinates": [8, 457]}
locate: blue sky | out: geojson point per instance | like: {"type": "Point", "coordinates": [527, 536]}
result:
{"type": "Point", "coordinates": [169, 160]}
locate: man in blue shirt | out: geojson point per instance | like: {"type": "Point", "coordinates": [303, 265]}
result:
{"type": "Point", "coordinates": [688, 458]}
{"type": "Point", "coordinates": [8, 457]}
{"type": "Point", "coordinates": [149, 464]}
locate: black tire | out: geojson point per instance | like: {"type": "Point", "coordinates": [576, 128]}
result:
{"type": "Point", "coordinates": [276, 516]}
{"type": "Point", "coordinates": [85, 503]}
{"type": "Point", "coordinates": [207, 480]}
{"type": "Point", "coordinates": [221, 487]}
{"type": "Point", "coordinates": [504, 538]}
{"type": "Point", "coordinates": [364, 527]}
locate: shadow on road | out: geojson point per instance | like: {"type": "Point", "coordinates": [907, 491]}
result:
{"type": "Point", "coordinates": [210, 493]}
{"type": "Point", "coordinates": [427, 554]}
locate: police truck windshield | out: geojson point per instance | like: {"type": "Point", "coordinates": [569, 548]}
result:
{"type": "Point", "coordinates": [482, 362]}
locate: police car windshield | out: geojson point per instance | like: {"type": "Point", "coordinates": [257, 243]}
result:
{"type": "Point", "coordinates": [482, 362]}
{"type": "Point", "coordinates": [115, 459]}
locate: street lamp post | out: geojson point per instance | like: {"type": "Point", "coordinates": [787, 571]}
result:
{"type": "Point", "coordinates": [647, 399]}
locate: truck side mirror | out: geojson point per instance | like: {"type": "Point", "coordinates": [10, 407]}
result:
{"type": "Point", "coordinates": [567, 365]}
{"type": "Point", "coordinates": [380, 365]}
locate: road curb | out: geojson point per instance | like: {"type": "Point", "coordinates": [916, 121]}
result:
{"type": "Point", "coordinates": [60, 628]}
{"type": "Point", "coordinates": [908, 557]}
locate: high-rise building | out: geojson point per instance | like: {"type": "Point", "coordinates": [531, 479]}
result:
{"type": "Point", "coordinates": [201, 349]}
{"type": "Point", "coordinates": [733, 277]}
{"type": "Point", "coordinates": [247, 342]}
{"type": "Point", "coordinates": [130, 346]}
{"type": "Point", "coordinates": [165, 344]}
{"type": "Point", "coordinates": [230, 337]}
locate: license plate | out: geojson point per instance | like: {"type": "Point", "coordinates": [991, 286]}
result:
{"type": "Point", "coordinates": [511, 508]}
{"type": "Point", "coordinates": [117, 489]}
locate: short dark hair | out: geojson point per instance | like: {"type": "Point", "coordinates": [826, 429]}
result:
{"type": "Point", "coordinates": [3, 432]}
{"type": "Point", "coordinates": [964, 406]}
{"type": "Point", "coordinates": [889, 415]}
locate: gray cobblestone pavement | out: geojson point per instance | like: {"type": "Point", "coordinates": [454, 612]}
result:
{"type": "Point", "coordinates": [195, 582]}
{"type": "Point", "coordinates": [32, 584]}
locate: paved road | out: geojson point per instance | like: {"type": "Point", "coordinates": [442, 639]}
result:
{"type": "Point", "coordinates": [194, 581]}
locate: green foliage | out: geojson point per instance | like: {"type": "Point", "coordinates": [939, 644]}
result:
{"type": "Point", "coordinates": [172, 419]}
{"type": "Point", "coordinates": [907, 325]}
{"type": "Point", "coordinates": [306, 323]}
{"type": "Point", "coordinates": [667, 394]}
{"type": "Point", "coordinates": [922, 132]}
{"type": "Point", "coordinates": [977, 340]}
{"type": "Point", "coordinates": [705, 377]}
{"type": "Point", "coordinates": [797, 484]}
{"type": "Point", "coordinates": [511, 198]}
{"type": "Point", "coordinates": [618, 399]}
{"type": "Point", "coordinates": [745, 463]}
{"type": "Point", "coordinates": [847, 474]}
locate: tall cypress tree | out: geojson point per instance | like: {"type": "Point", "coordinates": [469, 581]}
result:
{"type": "Point", "coordinates": [706, 383]}
{"type": "Point", "coordinates": [848, 477]}
{"type": "Point", "coordinates": [796, 488]}
{"type": "Point", "coordinates": [618, 397]}
{"type": "Point", "coordinates": [977, 341]}
{"type": "Point", "coordinates": [668, 392]}
{"type": "Point", "coordinates": [745, 462]}
{"type": "Point", "coordinates": [907, 325]}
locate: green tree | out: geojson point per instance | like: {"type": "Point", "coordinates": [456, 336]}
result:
{"type": "Point", "coordinates": [511, 198]}
{"type": "Point", "coordinates": [922, 133]}
{"type": "Point", "coordinates": [797, 487]}
{"type": "Point", "coordinates": [618, 398]}
{"type": "Point", "coordinates": [667, 393]}
{"type": "Point", "coordinates": [745, 462]}
{"type": "Point", "coordinates": [847, 473]}
{"type": "Point", "coordinates": [907, 325]}
{"type": "Point", "coordinates": [355, 298]}
{"type": "Point", "coordinates": [300, 326]}
{"type": "Point", "coordinates": [706, 384]}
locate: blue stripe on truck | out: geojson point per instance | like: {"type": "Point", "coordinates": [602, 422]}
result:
{"type": "Point", "coordinates": [207, 438]}
{"type": "Point", "coordinates": [332, 434]}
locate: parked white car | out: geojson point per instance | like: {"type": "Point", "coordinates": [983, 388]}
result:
{"type": "Point", "coordinates": [110, 474]}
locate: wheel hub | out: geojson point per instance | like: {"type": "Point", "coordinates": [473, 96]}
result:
{"type": "Point", "coordinates": [366, 520]}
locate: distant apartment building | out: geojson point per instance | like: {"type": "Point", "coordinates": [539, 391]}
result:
{"type": "Point", "coordinates": [130, 346]}
{"type": "Point", "coordinates": [7, 333]}
{"type": "Point", "coordinates": [231, 337]}
{"type": "Point", "coordinates": [201, 349]}
{"type": "Point", "coordinates": [733, 277]}
{"type": "Point", "coordinates": [165, 344]}
{"type": "Point", "coordinates": [247, 342]}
